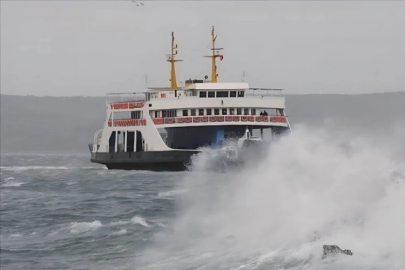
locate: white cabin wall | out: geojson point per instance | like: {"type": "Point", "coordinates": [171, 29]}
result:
{"type": "Point", "coordinates": [196, 103]}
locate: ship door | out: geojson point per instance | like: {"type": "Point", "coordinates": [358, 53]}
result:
{"type": "Point", "coordinates": [139, 140]}
{"type": "Point", "coordinates": [111, 142]}
{"type": "Point", "coordinates": [130, 141]}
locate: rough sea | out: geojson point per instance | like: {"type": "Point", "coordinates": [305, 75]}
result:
{"type": "Point", "coordinates": [312, 189]}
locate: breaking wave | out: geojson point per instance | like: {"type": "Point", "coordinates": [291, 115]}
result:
{"type": "Point", "coordinates": [81, 227]}
{"type": "Point", "coordinates": [312, 189]}
{"type": "Point", "coordinates": [139, 220]}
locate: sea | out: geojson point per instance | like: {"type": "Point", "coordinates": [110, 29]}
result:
{"type": "Point", "coordinates": [60, 211]}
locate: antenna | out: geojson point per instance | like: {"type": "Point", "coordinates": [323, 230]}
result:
{"type": "Point", "coordinates": [146, 80]}
{"type": "Point", "coordinates": [243, 78]}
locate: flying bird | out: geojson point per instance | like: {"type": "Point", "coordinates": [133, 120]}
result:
{"type": "Point", "coordinates": [138, 4]}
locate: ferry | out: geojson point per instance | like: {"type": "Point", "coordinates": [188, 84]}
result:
{"type": "Point", "coordinates": [163, 128]}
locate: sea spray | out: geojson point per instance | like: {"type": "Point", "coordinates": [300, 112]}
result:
{"type": "Point", "coordinates": [313, 188]}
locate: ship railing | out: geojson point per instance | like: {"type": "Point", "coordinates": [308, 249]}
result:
{"type": "Point", "coordinates": [97, 139]}
{"type": "Point", "coordinates": [261, 92]}
{"type": "Point", "coordinates": [220, 118]}
{"type": "Point", "coordinates": [125, 97]}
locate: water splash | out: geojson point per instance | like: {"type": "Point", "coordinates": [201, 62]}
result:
{"type": "Point", "coordinates": [313, 188]}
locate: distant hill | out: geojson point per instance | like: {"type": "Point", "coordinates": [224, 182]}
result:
{"type": "Point", "coordinates": [67, 124]}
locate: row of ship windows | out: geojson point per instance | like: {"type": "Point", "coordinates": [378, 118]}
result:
{"type": "Point", "coordinates": [202, 112]}
{"type": "Point", "coordinates": [221, 94]}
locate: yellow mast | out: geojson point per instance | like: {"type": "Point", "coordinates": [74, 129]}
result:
{"type": "Point", "coordinates": [173, 81]}
{"type": "Point", "coordinates": [214, 55]}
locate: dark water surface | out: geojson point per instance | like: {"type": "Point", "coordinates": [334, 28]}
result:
{"type": "Point", "coordinates": [62, 212]}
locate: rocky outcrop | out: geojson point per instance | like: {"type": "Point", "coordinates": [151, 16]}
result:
{"type": "Point", "coordinates": [334, 250]}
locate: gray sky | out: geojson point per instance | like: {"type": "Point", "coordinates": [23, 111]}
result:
{"type": "Point", "coordinates": [90, 48]}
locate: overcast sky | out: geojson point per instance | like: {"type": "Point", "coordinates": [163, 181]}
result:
{"type": "Point", "coordinates": [90, 48]}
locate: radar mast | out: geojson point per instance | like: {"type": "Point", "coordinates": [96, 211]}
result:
{"type": "Point", "coordinates": [173, 81]}
{"type": "Point", "coordinates": [215, 54]}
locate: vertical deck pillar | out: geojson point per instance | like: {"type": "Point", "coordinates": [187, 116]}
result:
{"type": "Point", "coordinates": [116, 142]}
{"type": "Point", "coordinates": [135, 141]}
{"type": "Point", "coordinates": [125, 134]}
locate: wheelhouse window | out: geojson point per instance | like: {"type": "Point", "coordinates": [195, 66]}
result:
{"type": "Point", "coordinates": [185, 112]}
{"type": "Point", "coordinates": [216, 111]}
{"type": "Point", "coordinates": [211, 94]}
{"type": "Point", "coordinates": [136, 115]}
{"type": "Point", "coordinates": [224, 111]}
{"type": "Point", "coordinates": [192, 112]}
{"type": "Point", "coordinates": [231, 111]}
{"type": "Point", "coordinates": [239, 111]}
{"type": "Point", "coordinates": [170, 113]}
{"type": "Point", "coordinates": [253, 111]}
{"type": "Point", "coordinates": [246, 111]}
{"type": "Point", "coordinates": [209, 111]}
{"type": "Point", "coordinates": [241, 93]}
{"type": "Point", "coordinates": [201, 112]}
{"type": "Point", "coordinates": [232, 94]}
{"type": "Point", "coordinates": [203, 94]}
{"type": "Point", "coordinates": [222, 94]}
{"type": "Point", "coordinates": [157, 114]}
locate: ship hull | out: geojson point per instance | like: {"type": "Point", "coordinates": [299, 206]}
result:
{"type": "Point", "coordinates": [176, 160]}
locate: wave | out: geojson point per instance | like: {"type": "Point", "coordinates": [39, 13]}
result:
{"type": "Point", "coordinates": [139, 220]}
{"type": "Point", "coordinates": [312, 189]}
{"type": "Point", "coordinates": [171, 193]}
{"type": "Point", "coordinates": [81, 227]}
{"type": "Point", "coordinates": [120, 232]}
{"type": "Point", "coordinates": [25, 168]}
{"type": "Point", "coordinates": [135, 220]}
{"type": "Point", "coordinates": [15, 184]}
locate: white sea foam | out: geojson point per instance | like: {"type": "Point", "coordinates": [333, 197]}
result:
{"type": "Point", "coordinates": [120, 232]}
{"type": "Point", "coordinates": [80, 227]}
{"type": "Point", "coordinates": [9, 178]}
{"type": "Point", "coordinates": [171, 193]}
{"type": "Point", "coordinates": [139, 220]}
{"type": "Point", "coordinates": [115, 223]}
{"type": "Point", "coordinates": [313, 188]}
{"type": "Point", "coordinates": [15, 184]}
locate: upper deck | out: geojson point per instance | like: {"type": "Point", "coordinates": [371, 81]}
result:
{"type": "Point", "coordinates": [204, 95]}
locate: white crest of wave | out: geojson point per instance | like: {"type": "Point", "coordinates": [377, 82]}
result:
{"type": "Point", "coordinates": [313, 188]}
{"type": "Point", "coordinates": [15, 184]}
{"type": "Point", "coordinates": [171, 193]}
{"type": "Point", "coordinates": [81, 227]}
{"type": "Point", "coordinates": [139, 220]}
{"type": "Point", "coordinates": [120, 232]}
